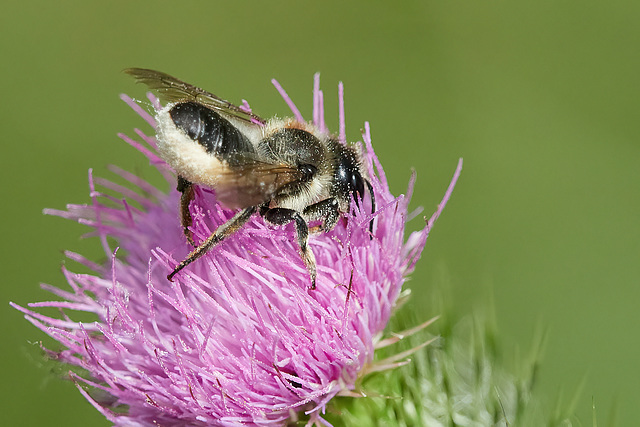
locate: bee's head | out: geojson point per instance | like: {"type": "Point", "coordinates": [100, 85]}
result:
{"type": "Point", "coordinates": [348, 181]}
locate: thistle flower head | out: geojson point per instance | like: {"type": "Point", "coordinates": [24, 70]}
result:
{"type": "Point", "coordinates": [237, 338]}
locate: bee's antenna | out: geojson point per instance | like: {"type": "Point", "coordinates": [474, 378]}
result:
{"type": "Point", "coordinates": [373, 204]}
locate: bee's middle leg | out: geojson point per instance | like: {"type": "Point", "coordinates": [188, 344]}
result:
{"type": "Point", "coordinates": [221, 233]}
{"type": "Point", "coordinates": [282, 216]}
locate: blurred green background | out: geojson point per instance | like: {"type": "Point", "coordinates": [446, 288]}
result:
{"type": "Point", "coordinates": [539, 97]}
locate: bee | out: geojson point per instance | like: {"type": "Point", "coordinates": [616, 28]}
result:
{"type": "Point", "coordinates": [284, 170]}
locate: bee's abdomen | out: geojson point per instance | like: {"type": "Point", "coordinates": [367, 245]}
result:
{"type": "Point", "coordinates": [215, 133]}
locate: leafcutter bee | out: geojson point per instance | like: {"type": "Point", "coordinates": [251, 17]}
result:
{"type": "Point", "coordinates": [284, 170]}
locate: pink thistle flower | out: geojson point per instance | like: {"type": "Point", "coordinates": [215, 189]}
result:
{"type": "Point", "coordinates": [237, 338]}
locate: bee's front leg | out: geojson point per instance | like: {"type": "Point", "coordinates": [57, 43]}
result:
{"type": "Point", "coordinates": [327, 210]}
{"type": "Point", "coordinates": [282, 216]}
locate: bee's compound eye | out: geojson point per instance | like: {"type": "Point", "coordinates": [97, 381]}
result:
{"type": "Point", "coordinates": [307, 171]}
{"type": "Point", "coordinates": [357, 184]}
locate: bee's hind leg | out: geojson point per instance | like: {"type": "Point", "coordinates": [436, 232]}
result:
{"type": "Point", "coordinates": [282, 216]}
{"type": "Point", "coordinates": [186, 188]}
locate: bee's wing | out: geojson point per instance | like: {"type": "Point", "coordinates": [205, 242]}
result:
{"type": "Point", "coordinates": [253, 182]}
{"type": "Point", "coordinates": [171, 89]}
